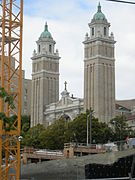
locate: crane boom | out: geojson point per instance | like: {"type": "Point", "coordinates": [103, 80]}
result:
{"type": "Point", "coordinates": [11, 25]}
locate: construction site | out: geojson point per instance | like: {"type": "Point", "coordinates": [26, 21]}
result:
{"type": "Point", "coordinates": [76, 161]}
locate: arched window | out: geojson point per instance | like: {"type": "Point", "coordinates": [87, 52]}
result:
{"type": "Point", "coordinates": [104, 31]}
{"type": "Point", "coordinates": [39, 48]}
{"type": "Point", "coordinates": [50, 48]}
{"type": "Point", "coordinates": [93, 31]}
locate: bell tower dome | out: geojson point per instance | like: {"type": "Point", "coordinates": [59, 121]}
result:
{"type": "Point", "coordinates": [99, 26]}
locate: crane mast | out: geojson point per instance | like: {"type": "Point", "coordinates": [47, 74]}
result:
{"type": "Point", "coordinates": [11, 24]}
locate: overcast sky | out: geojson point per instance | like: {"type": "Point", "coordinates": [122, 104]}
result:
{"type": "Point", "coordinates": [68, 23]}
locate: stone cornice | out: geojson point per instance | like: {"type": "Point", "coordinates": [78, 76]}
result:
{"type": "Point", "coordinates": [44, 71]}
{"type": "Point", "coordinates": [45, 55]}
{"type": "Point", "coordinates": [98, 57]}
{"type": "Point", "coordinates": [48, 60]}
{"type": "Point", "coordinates": [61, 109]}
{"type": "Point", "coordinates": [99, 39]}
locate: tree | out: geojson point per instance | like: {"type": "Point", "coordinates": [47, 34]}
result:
{"type": "Point", "coordinates": [54, 136]}
{"type": "Point", "coordinates": [61, 132]}
{"type": "Point", "coordinates": [77, 130]}
{"type": "Point", "coordinates": [120, 128]}
{"type": "Point", "coordinates": [8, 121]}
{"type": "Point", "coordinates": [32, 136]}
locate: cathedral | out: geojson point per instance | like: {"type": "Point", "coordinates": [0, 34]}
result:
{"type": "Point", "coordinates": [99, 77]}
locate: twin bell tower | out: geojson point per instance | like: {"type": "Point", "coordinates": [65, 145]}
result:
{"type": "Point", "coordinates": [99, 68]}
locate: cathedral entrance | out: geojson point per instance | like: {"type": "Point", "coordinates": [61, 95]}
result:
{"type": "Point", "coordinates": [66, 117]}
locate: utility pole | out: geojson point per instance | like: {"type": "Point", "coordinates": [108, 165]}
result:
{"type": "Point", "coordinates": [89, 121]}
{"type": "Point", "coordinates": [90, 126]}
{"type": "Point", "coordinates": [87, 129]}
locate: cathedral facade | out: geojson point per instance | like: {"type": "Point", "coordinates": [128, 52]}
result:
{"type": "Point", "coordinates": [67, 107]}
{"type": "Point", "coordinates": [99, 77]}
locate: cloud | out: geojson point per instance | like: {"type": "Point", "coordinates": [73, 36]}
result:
{"type": "Point", "coordinates": [68, 22]}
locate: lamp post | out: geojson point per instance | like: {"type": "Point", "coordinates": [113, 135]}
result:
{"type": "Point", "coordinates": [90, 126]}
{"type": "Point", "coordinates": [89, 115]}
{"type": "Point", "coordinates": [87, 128]}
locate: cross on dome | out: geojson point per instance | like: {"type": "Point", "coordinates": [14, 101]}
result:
{"type": "Point", "coordinates": [99, 7]}
{"type": "Point", "coordinates": [46, 26]}
{"type": "Point", "coordinates": [65, 85]}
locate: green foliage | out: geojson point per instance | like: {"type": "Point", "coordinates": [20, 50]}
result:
{"type": "Point", "coordinates": [32, 136]}
{"type": "Point", "coordinates": [25, 124]}
{"type": "Point", "coordinates": [61, 132]}
{"type": "Point", "coordinates": [77, 130]}
{"type": "Point", "coordinates": [7, 98]}
{"type": "Point", "coordinates": [54, 136]}
{"type": "Point", "coordinates": [120, 128]}
{"type": "Point", "coordinates": [7, 121]}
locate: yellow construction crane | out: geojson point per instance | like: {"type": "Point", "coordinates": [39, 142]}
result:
{"type": "Point", "coordinates": [11, 25]}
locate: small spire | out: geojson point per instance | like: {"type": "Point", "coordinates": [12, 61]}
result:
{"type": "Point", "coordinates": [65, 85]}
{"type": "Point", "coordinates": [99, 7]}
{"type": "Point", "coordinates": [46, 26]}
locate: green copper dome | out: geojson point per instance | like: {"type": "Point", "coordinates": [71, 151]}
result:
{"type": "Point", "coordinates": [46, 33]}
{"type": "Point", "coordinates": [99, 15]}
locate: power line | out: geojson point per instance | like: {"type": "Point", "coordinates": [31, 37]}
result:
{"type": "Point", "coordinates": [122, 1]}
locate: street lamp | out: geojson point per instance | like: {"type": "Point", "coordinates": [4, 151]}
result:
{"type": "Point", "coordinates": [90, 125]}
{"type": "Point", "coordinates": [87, 128]}
{"type": "Point", "coordinates": [89, 115]}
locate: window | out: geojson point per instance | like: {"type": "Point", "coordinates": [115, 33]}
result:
{"type": "Point", "coordinates": [104, 31]}
{"type": "Point", "coordinates": [25, 111]}
{"type": "Point", "coordinates": [106, 51]}
{"type": "Point", "coordinates": [25, 98]}
{"type": "Point", "coordinates": [50, 48]}
{"type": "Point", "coordinates": [25, 104]}
{"type": "Point", "coordinates": [93, 31]}
{"type": "Point", "coordinates": [39, 48]}
{"type": "Point", "coordinates": [91, 68]}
